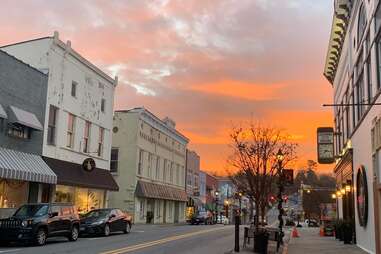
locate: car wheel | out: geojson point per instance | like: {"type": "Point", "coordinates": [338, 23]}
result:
{"type": "Point", "coordinates": [74, 234]}
{"type": "Point", "coordinates": [106, 231]}
{"type": "Point", "coordinates": [127, 230]}
{"type": "Point", "coordinates": [41, 237]}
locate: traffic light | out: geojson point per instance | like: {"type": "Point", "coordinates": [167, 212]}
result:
{"type": "Point", "coordinates": [285, 198]}
{"type": "Point", "coordinates": [272, 198]}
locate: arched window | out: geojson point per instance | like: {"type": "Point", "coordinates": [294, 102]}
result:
{"type": "Point", "coordinates": [361, 23]}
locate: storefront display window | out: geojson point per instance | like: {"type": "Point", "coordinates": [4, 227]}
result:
{"type": "Point", "coordinates": [13, 193]}
{"type": "Point", "coordinates": [65, 194]}
{"type": "Point", "coordinates": [83, 198]}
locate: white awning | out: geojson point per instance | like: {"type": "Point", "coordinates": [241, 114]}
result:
{"type": "Point", "coordinates": [25, 167]}
{"type": "Point", "coordinates": [3, 114]}
{"type": "Point", "coordinates": [26, 118]}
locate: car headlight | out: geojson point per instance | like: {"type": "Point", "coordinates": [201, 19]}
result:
{"type": "Point", "coordinates": [24, 223]}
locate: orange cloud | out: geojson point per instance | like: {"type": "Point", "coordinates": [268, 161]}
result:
{"type": "Point", "coordinates": [241, 90]}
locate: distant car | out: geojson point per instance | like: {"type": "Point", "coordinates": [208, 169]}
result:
{"type": "Point", "coordinates": [36, 222]}
{"type": "Point", "coordinates": [222, 219]}
{"type": "Point", "coordinates": [202, 218]}
{"type": "Point", "coordinates": [105, 221]}
{"type": "Point", "coordinates": [313, 224]}
{"type": "Point", "coordinates": [289, 222]}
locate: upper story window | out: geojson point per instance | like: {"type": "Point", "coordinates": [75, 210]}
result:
{"type": "Point", "coordinates": [157, 175]}
{"type": "Point", "coordinates": [114, 160]}
{"type": "Point", "coordinates": [86, 137]}
{"type": "Point", "coordinates": [70, 131]}
{"type": "Point", "coordinates": [361, 23]}
{"type": "Point", "coordinates": [140, 165]}
{"type": "Point", "coordinates": [74, 86]}
{"type": "Point", "coordinates": [101, 141]}
{"type": "Point", "coordinates": [52, 125]}
{"type": "Point", "coordinates": [19, 131]}
{"type": "Point", "coordinates": [103, 105]}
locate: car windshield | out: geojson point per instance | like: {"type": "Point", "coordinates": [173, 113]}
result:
{"type": "Point", "coordinates": [32, 210]}
{"type": "Point", "coordinates": [97, 214]}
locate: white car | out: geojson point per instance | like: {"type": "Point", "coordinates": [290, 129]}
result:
{"type": "Point", "coordinates": [221, 219]}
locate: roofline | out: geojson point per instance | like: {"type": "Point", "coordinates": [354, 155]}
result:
{"type": "Point", "coordinates": [142, 109]}
{"type": "Point", "coordinates": [67, 47]}
{"type": "Point", "coordinates": [21, 42]}
{"type": "Point", "coordinates": [27, 65]}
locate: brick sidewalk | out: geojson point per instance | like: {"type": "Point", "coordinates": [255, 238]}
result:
{"type": "Point", "coordinates": [310, 242]}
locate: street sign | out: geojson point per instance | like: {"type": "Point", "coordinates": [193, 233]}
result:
{"type": "Point", "coordinates": [288, 175]}
{"type": "Point", "coordinates": [325, 145]}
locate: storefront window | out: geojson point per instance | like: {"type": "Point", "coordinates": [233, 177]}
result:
{"type": "Point", "coordinates": [83, 198]}
{"type": "Point", "coordinates": [64, 194]}
{"type": "Point", "coordinates": [13, 193]}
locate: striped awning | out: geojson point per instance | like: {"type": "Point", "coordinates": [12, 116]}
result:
{"type": "Point", "coordinates": [25, 167]}
{"type": "Point", "coordinates": [159, 191]}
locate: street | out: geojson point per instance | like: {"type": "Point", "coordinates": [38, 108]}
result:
{"type": "Point", "coordinates": [143, 239]}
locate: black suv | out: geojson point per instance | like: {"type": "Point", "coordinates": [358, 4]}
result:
{"type": "Point", "coordinates": [36, 222]}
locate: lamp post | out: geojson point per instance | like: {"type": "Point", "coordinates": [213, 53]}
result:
{"type": "Point", "coordinates": [216, 193]}
{"type": "Point", "coordinates": [280, 157]}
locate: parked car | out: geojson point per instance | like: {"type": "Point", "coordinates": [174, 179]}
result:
{"type": "Point", "coordinates": [221, 219]}
{"type": "Point", "coordinates": [105, 221]}
{"type": "Point", "coordinates": [34, 223]}
{"type": "Point", "coordinates": [202, 218]}
{"type": "Point", "coordinates": [313, 224]}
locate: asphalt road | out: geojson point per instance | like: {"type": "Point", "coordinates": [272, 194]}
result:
{"type": "Point", "coordinates": [157, 239]}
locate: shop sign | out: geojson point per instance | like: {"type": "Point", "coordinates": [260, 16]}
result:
{"type": "Point", "coordinates": [88, 164]}
{"type": "Point", "coordinates": [288, 175]}
{"type": "Point", "coordinates": [325, 145]}
{"type": "Point", "coordinates": [362, 196]}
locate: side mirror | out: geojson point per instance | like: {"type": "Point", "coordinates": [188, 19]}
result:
{"type": "Point", "coordinates": [53, 214]}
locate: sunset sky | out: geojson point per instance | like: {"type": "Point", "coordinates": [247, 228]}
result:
{"type": "Point", "coordinates": [207, 64]}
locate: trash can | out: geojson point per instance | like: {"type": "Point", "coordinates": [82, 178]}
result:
{"type": "Point", "coordinates": [261, 240]}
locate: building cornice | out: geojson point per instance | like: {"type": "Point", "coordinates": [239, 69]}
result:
{"type": "Point", "coordinates": [67, 47]}
{"type": "Point", "coordinates": [157, 123]}
{"type": "Point", "coordinates": [340, 22]}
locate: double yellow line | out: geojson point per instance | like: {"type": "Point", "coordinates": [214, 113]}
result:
{"type": "Point", "coordinates": [157, 242]}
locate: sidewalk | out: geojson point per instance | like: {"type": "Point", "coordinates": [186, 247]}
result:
{"type": "Point", "coordinates": [310, 242]}
{"type": "Point", "coordinates": [271, 249]}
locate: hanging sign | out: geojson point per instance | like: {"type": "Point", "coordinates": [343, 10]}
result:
{"type": "Point", "coordinates": [88, 164]}
{"type": "Point", "coordinates": [325, 145]}
{"type": "Point", "coordinates": [362, 196]}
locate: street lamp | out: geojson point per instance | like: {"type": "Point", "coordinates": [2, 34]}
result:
{"type": "Point", "coordinates": [216, 193]}
{"type": "Point", "coordinates": [333, 196]}
{"type": "Point", "coordinates": [280, 157]}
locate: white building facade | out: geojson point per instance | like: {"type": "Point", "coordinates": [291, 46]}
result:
{"type": "Point", "coordinates": [353, 67]}
{"type": "Point", "coordinates": [148, 163]}
{"type": "Point", "coordinates": [78, 120]}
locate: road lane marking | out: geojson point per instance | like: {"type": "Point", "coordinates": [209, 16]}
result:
{"type": "Point", "coordinates": [160, 241]}
{"type": "Point", "coordinates": [7, 251]}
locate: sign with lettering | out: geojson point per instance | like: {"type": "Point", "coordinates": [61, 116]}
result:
{"type": "Point", "coordinates": [325, 145]}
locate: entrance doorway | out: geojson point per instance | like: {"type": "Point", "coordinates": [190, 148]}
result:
{"type": "Point", "coordinates": [165, 212]}
{"type": "Point", "coordinates": [176, 219]}
{"type": "Point", "coordinates": [150, 210]}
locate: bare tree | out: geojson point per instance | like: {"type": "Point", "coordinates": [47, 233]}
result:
{"type": "Point", "coordinates": [254, 161]}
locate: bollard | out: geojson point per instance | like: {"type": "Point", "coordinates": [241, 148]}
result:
{"type": "Point", "coordinates": [236, 243]}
